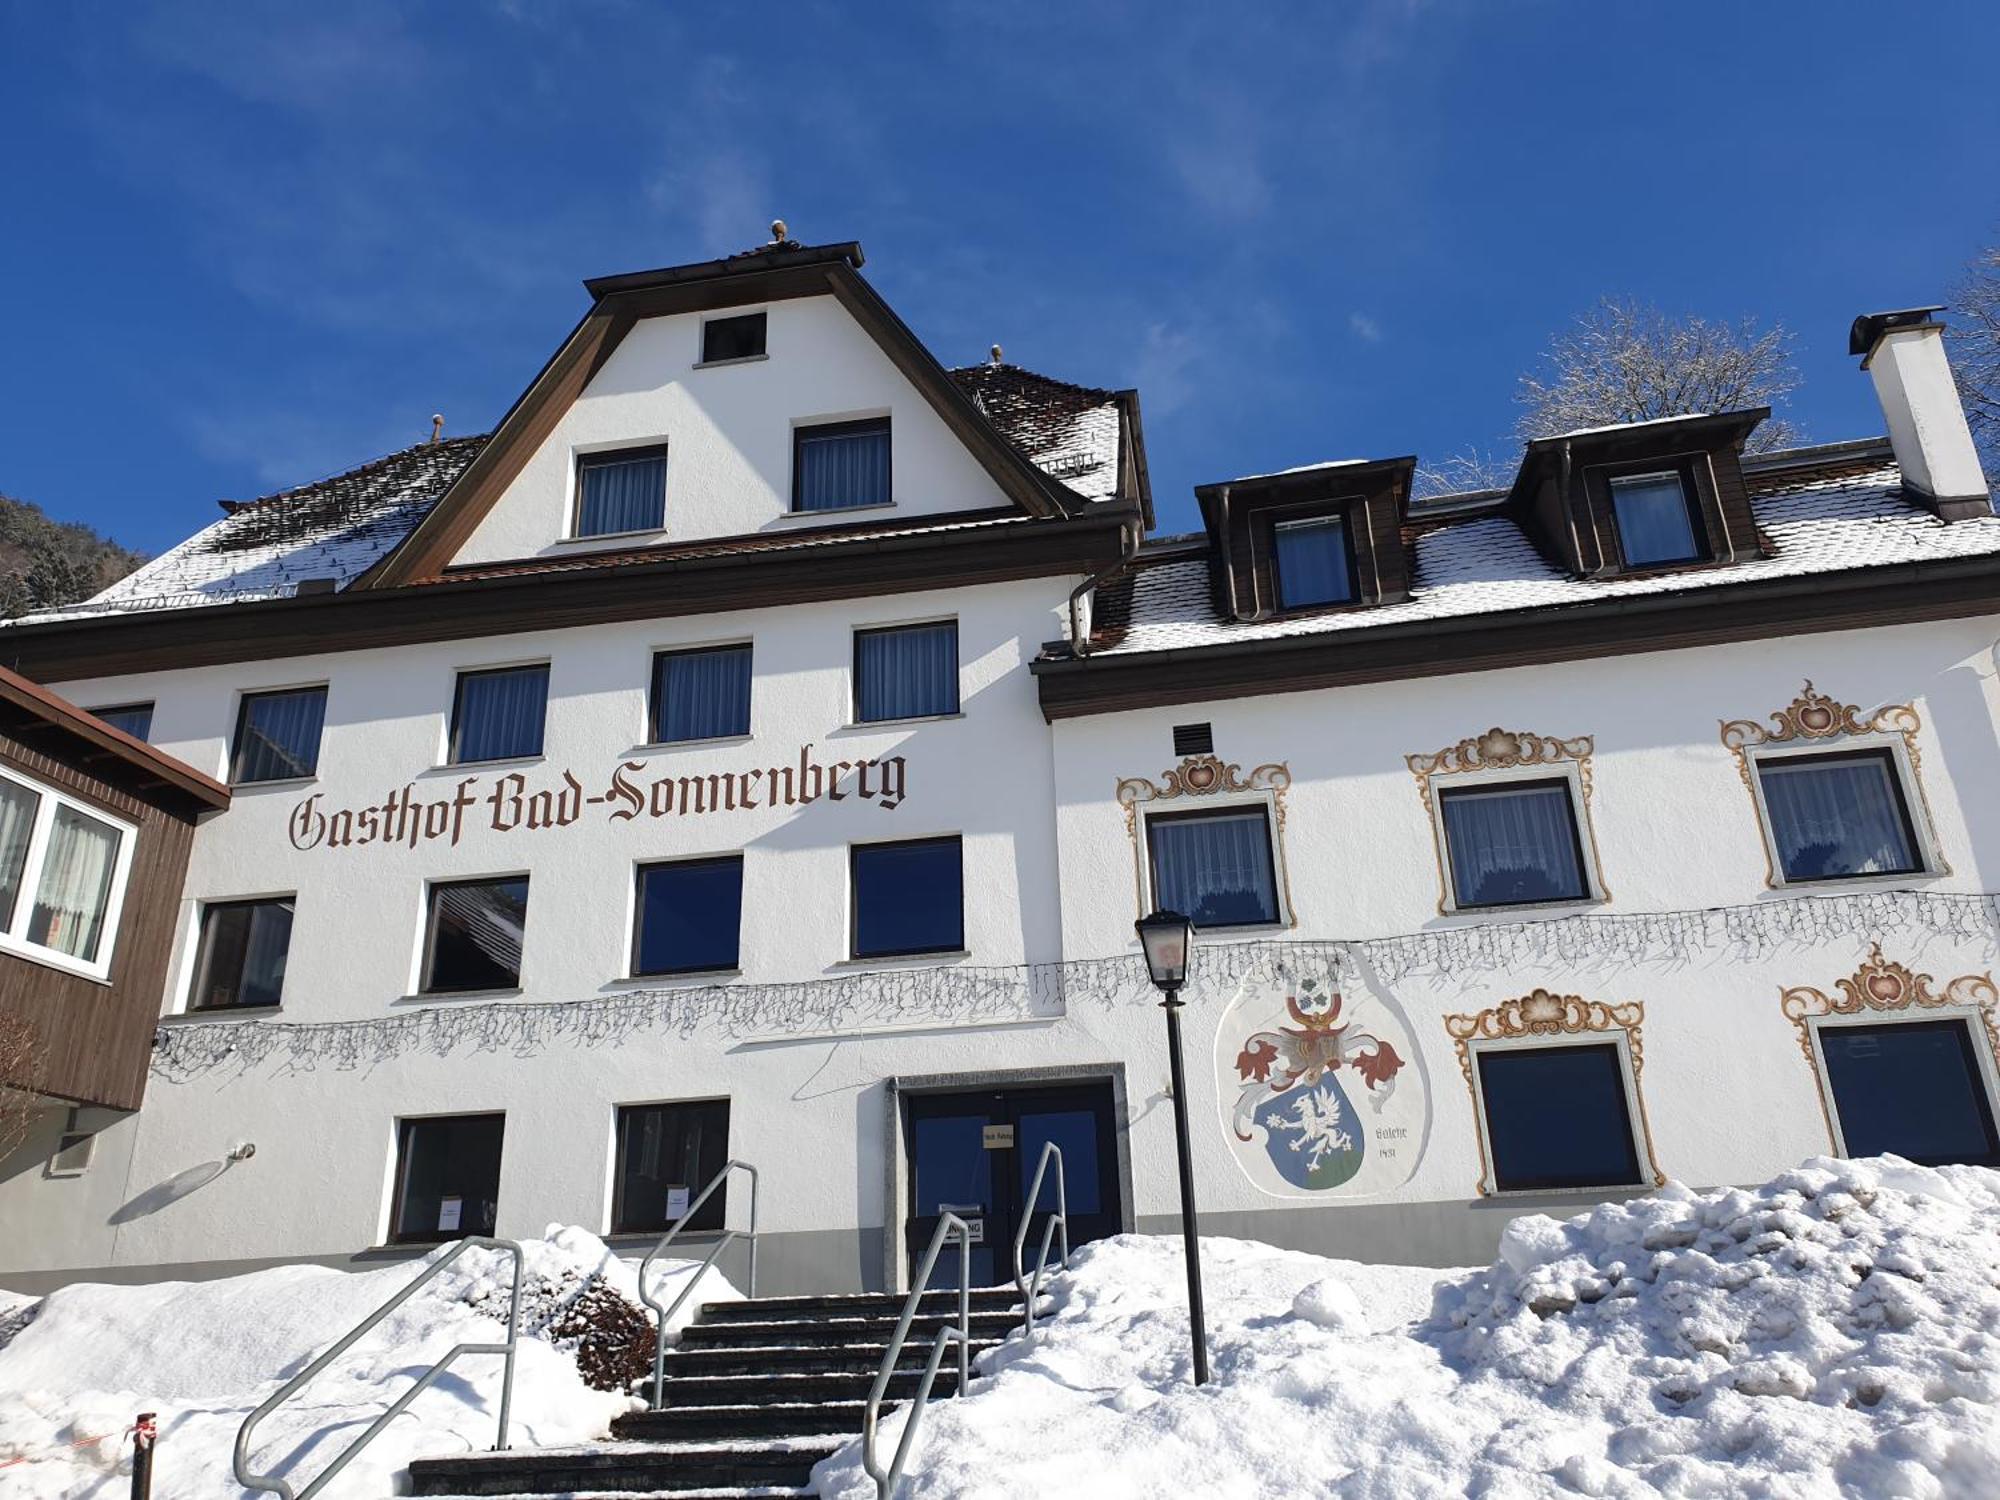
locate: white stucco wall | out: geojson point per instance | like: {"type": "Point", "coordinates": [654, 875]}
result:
{"type": "Point", "coordinates": [729, 434]}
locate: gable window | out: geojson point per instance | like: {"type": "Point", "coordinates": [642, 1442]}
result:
{"type": "Point", "coordinates": [908, 898]}
{"type": "Point", "coordinates": [447, 1178]}
{"type": "Point", "coordinates": [498, 714]}
{"type": "Point", "coordinates": [667, 1153]}
{"type": "Point", "coordinates": [737, 337]}
{"type": "Point", "coordinates": [906, 672]}
{"type": "Point", "coordinates": [63, 870]}
{"type": "Point", "coordinates": [701, 695]}
{"type": "Point", "coordinates": [1513, 843]}
{"type": "Point", "coordinates": [1557, 1117]}
{"type": "Point", "coordinates": [1310, 561]}
{"type": "Point", "coordinates": [277, 735]}
{"type": "Point", "coordinates": [1657, 523]}
{"type": "Point", "coordinates": [621, 491]}
{"type": "Point", "coordinates": [1214, 868]}
{"type": "Point", "coordinates": [1912, 1088]}
{"type": "Point", "coordinates": [241, 960]}
{"type": "Point", "coordinates": [135, 719]}
{"type": "Point", "coordinates": [1838, 815]}
{"type": "Point", "coordinates": [690, 914]}
{"type": "Point", "coordinates": [841, 465]}
{"type": "Point", "coordinates": [474, 934]}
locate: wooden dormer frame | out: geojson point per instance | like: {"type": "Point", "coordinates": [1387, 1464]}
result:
{"type": "Point", "coordinates": [1370, 497]}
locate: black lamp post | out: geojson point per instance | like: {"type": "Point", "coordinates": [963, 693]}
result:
{"type": "Point", "coordinates": [1168, 937]}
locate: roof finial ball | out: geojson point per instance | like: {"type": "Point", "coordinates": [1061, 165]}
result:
{"type": "Point", "coordinates": [778, 231]}
{"type": "Point", "coordinates": [995, 356]}
{"type": "Point", "coordinates": [437, 427]}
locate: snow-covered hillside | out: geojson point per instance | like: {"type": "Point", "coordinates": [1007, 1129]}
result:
{"type": "Point", "coordinates": [1834, 1333]}
{"type": "Point", "coordinates": [203, 1354]}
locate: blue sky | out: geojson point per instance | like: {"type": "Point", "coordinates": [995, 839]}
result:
{"type": "Point", "coordinates": [248, 245]}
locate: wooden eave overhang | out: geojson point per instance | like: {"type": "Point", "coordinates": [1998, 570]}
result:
{"type": "Point", "coordinates": [99, 748]}
{"type": "Point", "coordinates": [620, 303]}
{"type": "Point", "coordinates": [707, 580]}
{"type": "Point", "coordinates": [1716, 614]}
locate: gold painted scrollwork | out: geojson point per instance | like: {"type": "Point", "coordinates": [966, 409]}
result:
{"type": "Point", "coordinates": [1205, 776]}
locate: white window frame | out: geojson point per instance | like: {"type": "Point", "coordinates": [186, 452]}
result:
{"type": "Point", "coordinates": [1964, 1015]}
{"type": "Point", "coordinates": [1571, 774]}
{"type": "Point", "coordinates": [1264, 801]}
{"type": "Point", "coordinates": [1904, 774]}
{"type": "Point", "coordinates": [1618, 1037]}
{"type": "Point", "coordinates": [14, 938]}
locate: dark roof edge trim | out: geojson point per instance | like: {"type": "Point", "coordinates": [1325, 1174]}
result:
{"type": "Point", "coordinates": [54, 709]}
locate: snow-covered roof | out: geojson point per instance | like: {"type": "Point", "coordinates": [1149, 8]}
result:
{"type": "Point", "coordinates": [1069, 432]}
{"type": "Point", "coordinates": [1485, 564]}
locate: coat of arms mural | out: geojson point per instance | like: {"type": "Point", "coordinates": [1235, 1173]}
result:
{"type": "Point", "coordinates": [1323, 1092]}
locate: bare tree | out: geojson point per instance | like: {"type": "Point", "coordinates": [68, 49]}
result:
{"type": "Point", "coordinates": [1626, 361]}
{"type": "Point", "coordinates": [1463, 472]}
{"type": "Point", "coordinates": [22, 1056]}
{"type": "Point", "coordinates": [1974, 332]}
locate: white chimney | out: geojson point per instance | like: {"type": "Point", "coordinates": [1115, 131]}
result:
{"type": "Point", "coordinates": [1904, 352]}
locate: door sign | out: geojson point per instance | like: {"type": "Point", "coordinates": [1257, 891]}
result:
{"type": "Point", "coordinates": [997, 1138]}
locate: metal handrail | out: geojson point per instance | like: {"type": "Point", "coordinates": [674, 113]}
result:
{"type": "Point", "coordinates": [1058, 1219]}
{"type": "Point", "coordinates": [273, 1485]}
{"type": "Point", "coordinates": [949, 1226]}
{"type": "Point", "coordinates": [729, 1236]}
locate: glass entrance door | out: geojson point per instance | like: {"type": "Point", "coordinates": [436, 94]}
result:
{"type": "Point", "coordinates": [974, 1154]}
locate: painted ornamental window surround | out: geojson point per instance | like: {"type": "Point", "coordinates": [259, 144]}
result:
{"type": "Point", "coordinates": [135, 719]}
{"type": "Point", "coordinates": [700, 693]}
{"type": "Point", "coordinates": [620, 492]}
{"type": "Point", "coordinates": [240, 958]}
{"type": "Point", "coordinates": [1556, 1097]}
{"type": "Point", "coordinates": [473, 935]}
{"type": "Point", "coordinates": [688, 916]}
{"type": "Point", "coordinates": [906, 672]}
{"type": "Point", "coordinates": [1838, 793]}
{"type": "Point", "coordinates": [278, 735]}
{"type": "Point", "coordinates": [665, 1155]}
{"type": "Point", "coordinates": [841, 465]}
{"type": "Point", "coordinates": [499, 713]}
{"type": "Point", "coordinates": [64, 866]}
{"type": "Point", "coordinates": [907, 898]}
{"type": "Point", "coordinates": [1510, 821]}
{"type": "Point", "coordinates": [1200, 845]}
{"type": "Point", "coordinates": [1902, 1067]}
{"type": "Point", "coordinates": [447, 1178]}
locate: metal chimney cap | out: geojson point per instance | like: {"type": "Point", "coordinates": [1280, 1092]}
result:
{"type": "Point", "coordinates": [1869, 327]}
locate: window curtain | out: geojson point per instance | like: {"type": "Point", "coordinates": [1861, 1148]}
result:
{"type": "Point", "coordinates": [841, 470]}
{"type": "Point", "coordinates": [279, 737]}
{"type": "Point", "coordinates": [1653, 521]}
{"type": "Point", "coordinates": [1837, 818]}
{"type": "Point", "coordinates": [1513, 845]}
{"type": "Point", "coordinates": [621, 494]}
{"type": "Point", "coordinates": [1216, 871]}
{"type": "Point", "coordinates": [136, 720]}
{"type": "Point", "coordinates": [17, 825]}
{"type": "Point", "coordinates": [699, 695]}
{"type": "Point", "coordinates": [500, 714]}
{"type": "Point", "coordinates": [75, 885]}
{"type": "Point", "coordinates": [906, 674]}
{"type": "Point", "coordinates": [1312, 562]}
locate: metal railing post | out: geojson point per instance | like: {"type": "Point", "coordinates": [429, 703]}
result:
{"type": "Point", "coordinates": [950, 1226]}
{"type": "Point", "coordinates": [1057, 1221]}
{"type": "Point", "coordinates": [723, 1242]}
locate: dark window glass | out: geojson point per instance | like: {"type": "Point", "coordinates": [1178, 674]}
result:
{"type": "Point", "coordinates": [1513, 843]}
{"type": "Point", "coordinates": [665, 1151]}
{"type": "Point", "coordinates": [476, 930]}
{"type": "Point", "coordinates": [136, 719]}
{"type": "Point", "coordinates": [1310, 558]}
{"type": "Point", "coordinates": [447, 1178]}
{"type": "Point", "coordinates": [1656, 524]}
{"type": "Point", "coordinates": [19, 808]}
{"type": "Point", "coordinates": [700, 695]}
{"type": "Point", "coordinates": [498, 715]}
{"type": "Point", "coordinates": [740, 337]}
{"type": "Point", "coordinates": [1912, 1088]}
{"type": "Point", "coordinates": [1836, 815]}
{"type": "Point", "coordinates": [1556, 1117]}
{"type": "Point", "coordinates": [908, 898]}
{"type": "Point", "coordinates": [242, 956]}
{"type": "Point", "coordinates": [1214, 868]}
{"type": "Point", "coordinates": [277, 735]}
{"type": "Point", "coordinates": [624, 490]}
{"type": "Point", "coordinates": [908, 672]}
{"type": "Point", "coordinates": [840, 465]}
{"type": "Point", "coordinates": [690, 913]}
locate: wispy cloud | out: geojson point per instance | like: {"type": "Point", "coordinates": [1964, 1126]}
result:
{"type": "Point", "coordinates": [1364, 328]}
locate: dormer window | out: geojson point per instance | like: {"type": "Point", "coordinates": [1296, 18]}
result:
{"type": "Point", "coordinates": [1311, 563]}
{"type": "Point", "coordinates": [841, 465]}
{"type": "Point", "coordinates": [1657, 524]}
{"type": "Point", "coordinates": [622, 491]}
{"type": "Point", "coordinates": [726, 340]}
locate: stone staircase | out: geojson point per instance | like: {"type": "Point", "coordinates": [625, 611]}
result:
{"type": "Point", "coordinates": [756, 1393]}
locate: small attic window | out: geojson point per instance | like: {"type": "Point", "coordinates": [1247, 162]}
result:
{"type": "Point", "coordinates": [724, 340]}
{"type": "Point", "coordinates": [1311, 562]}
{"type": "Point", "coordinates": [1657, 523]}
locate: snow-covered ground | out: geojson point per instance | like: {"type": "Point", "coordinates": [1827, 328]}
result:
{"type": "Point", "coordinates": [1834, 1333]}
{"type": "Point", "coordinates": [203, 1354]}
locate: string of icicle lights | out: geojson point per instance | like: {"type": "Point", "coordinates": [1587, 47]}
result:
{"type": "Point", "coordinates": [969, 995]}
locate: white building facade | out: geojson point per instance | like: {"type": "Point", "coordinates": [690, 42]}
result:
{"type": "Point", "coordinates": [760, 747]}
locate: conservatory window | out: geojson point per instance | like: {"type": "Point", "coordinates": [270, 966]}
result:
{"type": "Point", "coordinates": [63, 870]}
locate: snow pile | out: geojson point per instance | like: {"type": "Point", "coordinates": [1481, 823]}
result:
{"type": "Point", "coordinates": [1835, 1332]}
{"type": "Point", "coordinates": [203, 1354]}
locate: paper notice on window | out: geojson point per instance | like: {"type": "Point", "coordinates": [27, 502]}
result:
{"type": "Point", "coordinates": [450, 1211]}
{"type": "Point", "coordinates": [677, 1202]}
